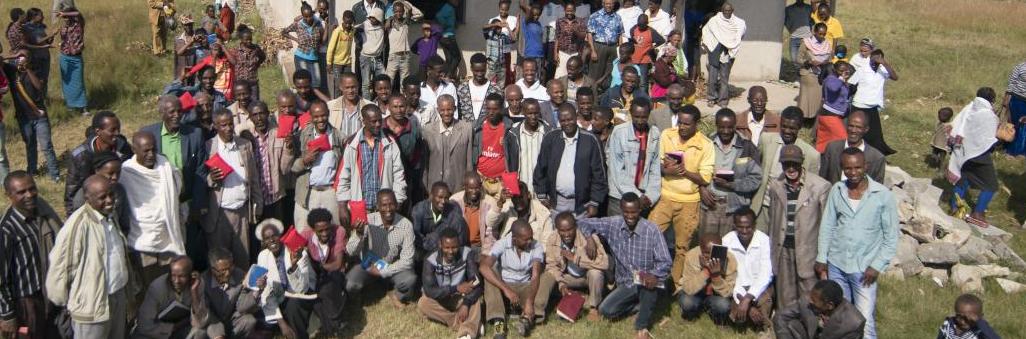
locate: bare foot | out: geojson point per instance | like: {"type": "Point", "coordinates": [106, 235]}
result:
{"type": "Point", "coordinates": [644, 334]}
{"type": "Point", "coordinates": [593, 315]}
{"type": "Point", "coordinates": [394, 299]}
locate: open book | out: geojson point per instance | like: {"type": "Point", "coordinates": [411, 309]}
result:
{"type": "Point", "coordinates": [174, 312]}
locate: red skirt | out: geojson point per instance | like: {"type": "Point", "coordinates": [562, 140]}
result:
{"type": "Point", "coordinates": [829, 127]}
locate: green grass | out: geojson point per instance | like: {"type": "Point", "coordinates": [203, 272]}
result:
{"type": "Point", "coordinates": [942, 49]}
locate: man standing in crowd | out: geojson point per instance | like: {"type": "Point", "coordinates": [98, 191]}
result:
{"type": "Point", "coordinates": [858, 235]}
{"type": "Point", "coordinates": [89, 269]}
{"type": "Point", "coordinates": [557, 97]}
{"type": "Point", "coordinates": [472, 93]}
{"type": "Point", "coordinates": [345, 110]}
{"type": "Point", "coordinates": [634, 159]}
{"type": "Point", "coordinates": [570, 175]}
{"type": "Point", "coordinates": [235, 190]}
{"type": "Point", "coordinates": [448, 144]}
{"type": "Point", "coordinates": [488, 154]}
{"type": "Point", "coordinates": [572, 269]}
{"type": "Point", "coordinates": [434, 86]}
{"type": "Point", "coordinates": [155, 222]}
{"type": "Point", "coordinates": [389, 237]}
{"type": "Point", "coordinates": [275, 159]}
{"type": "Point", "coordinates": [30, 110]}
{"type": "Point", "coordinates": [316, 168]}
{"type": "Point", "coordinates": [452, 287]}
{"type": "Point", "coordinates": [180, 286]}
{"type": "Point", "coordinates": [159, 10]}
{"type": "Point", "coordinates": [570, 35]}
{"type": "Point", "coordinates": [642, 262]}
{"type": "Point", "coordinates": [737, 176]}
{"type": "Point", "coordinates": [104, 135]}
{"type": "Point", "coordinates": [797, 198]}
{"type": "Point", "coordinates": [525, 139]}
{"type": "Point", "coordinates": [664, 115]}
{"type": "Point", "coordinates": [752, 299]}
{"type": "Point", "coordinates": [519, 259]}
{"type": "Point", "coordinates": [530, 83]}
{"type": "Point", "coordinates": [22, 303]}
{"type": "Point", "coordinates": [309, 32]}
{"type": "Point", "coordinates": [370, 163]}
{"type": "Point", "coordinates": [687, 165]}
{"type": "Point", "coordinates": [243, 96]}
{"type": "Point", "coordinates": [770, 145]}
{"type": "Point", "coordinates": [757, 119]}
{"type": "Point", "coordinates": [721, 39]}
{"type": "Point", "coordinates": [182, 145]}
{"type": "Point", "coordinates": [830, 163]}
{"type": "Point", "coordinates": [798, 23]}
{"type": "Point", "coordinates": [227, 308]}
{"type": "Point", "coordinates": [606, 28]}
{"type": "Point", "coordinates": [435, 214]}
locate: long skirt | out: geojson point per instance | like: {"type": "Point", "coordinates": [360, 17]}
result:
{"type": "Point", "coordinates": [874, 136]}
{"type": "Point", "coordinates": [72, 81]}
{"type": "Point", "coordinates": [810, 94]}
{"type": "Point", "coordinates": [829, 127]}
{"type": "Point", "coordinates": [1017, 110]}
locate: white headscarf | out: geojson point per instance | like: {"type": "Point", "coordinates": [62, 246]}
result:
{"type": "Point", "coordinates": [977, 125]}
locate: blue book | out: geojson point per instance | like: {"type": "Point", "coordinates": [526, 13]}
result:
{"type": "Point", "coordinates": [254, 274]}
{"type": "Point", "coordinates": [371, 259]}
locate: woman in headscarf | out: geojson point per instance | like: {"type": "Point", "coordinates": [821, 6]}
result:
{"type": "Point", "coordinates": [830, 122]}
{"type": "Point", "coordinates": [1015, 103]}
{"type": "Point", "coordinates": [973, 132]}
{"type": "Point", "coordinates": [288, 271]}
{"type": "Point", "coordinates": [663, 73]}
{"type": "Point", "coordinates": [812, 55]}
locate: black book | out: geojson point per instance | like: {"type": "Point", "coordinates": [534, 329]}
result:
{"type": "Point", "coordinates": [174, 313]}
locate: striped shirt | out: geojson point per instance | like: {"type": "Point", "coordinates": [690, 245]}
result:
{"type": "Point", "coordinates": [370, 171]}
{"type": "Point", "coordinates": [400, 243]}
{"type": "Point", "coordinates": [24, 245]}
{"type": "Point", "coordinates": [1017, 80]}
{"type": "Point", "coordinates": [792, 211]}
{"type": "Point", "coordinates": [641, 250]}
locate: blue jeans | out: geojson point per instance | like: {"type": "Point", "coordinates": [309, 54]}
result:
{"type": "Point", "coordinates": [311, 66]}
{"type": "Point", "coordinates": [369, 67]}
{"type": "Point", "coordinates": [864, 298]}
{"type": "Point", "coordinates": [5, 165]}
{"type": "Point", "coordinates": [796, 44]}
{"type": "Point", "coordinates": [625, 300]}
{"type": "Point", "coordinates": [36, 135]}
{"type": "Point", "coordinates": [692, 305]}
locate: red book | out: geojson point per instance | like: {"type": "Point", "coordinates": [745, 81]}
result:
{"type": "Point", "coordinates": [511, 182]}
{"type": "Point", "coordinates": [285, 123]}
{"type": "Point", "coordinates": [304, 119]}
{"type": "Point", "coordinates": [357, 211]}
{"type": "Point", "coordinates": [187, 101]}
{"type": "Point", "coordinates": [320, 143]}
{"type": "Point", "coordinates": [570, 306]}
{"type": "Point", "coordinates": [293, 240]}
{"type": "Point", "coordinates": [217, 162]}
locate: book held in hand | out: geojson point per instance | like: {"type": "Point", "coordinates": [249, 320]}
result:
{"type": "Point", "coordinates": [174, 312]}
{"type": "Point", "coordinates": [570, 306]}
{"type": "Point", "coordinates": [218, 162]}
{"type": "Point", "coordinates": [285, 124]}
{"type": "Point", "coordinates": [725, 174]}
{"type": "Point", "coordinates": [319, 144]}
{"type": "Point", "coordinates": [293, 240]}
{"type": "Point", "coordinates": [371, 259]}
{"type": "Point", "coordinates": [511, 182]}
{"type": "Point", "coordinates": [255, 273]}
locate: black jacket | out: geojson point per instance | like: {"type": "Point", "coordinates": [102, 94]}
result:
{"type": "Point", "coordinates": [426, 230]}
{"type": "Point", "coordinates": [512, 143]}
{"type": "Point", "coordinates": [830, 162]}
{"type": "Point", "coordinates": [80, 167]}
{"type": "Point", "coordinates": [440, 283]}
{"type": "Point", "coordinates": [194, 153]}
{"type": "Point", "coordinates": [590, 182]}
{"type": "Point", "coordinates": [475, 142]}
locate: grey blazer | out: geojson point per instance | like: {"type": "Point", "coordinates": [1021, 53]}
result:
{"type": "Point", "coordinates": [811, 201]}
{"type": "Point", "coordinates": [448, 156]}
{"type": "Point", "coordinates": [830, 162]}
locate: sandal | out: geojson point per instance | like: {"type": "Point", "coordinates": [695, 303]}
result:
{"type": "Point", "coordinates": [977, 222]}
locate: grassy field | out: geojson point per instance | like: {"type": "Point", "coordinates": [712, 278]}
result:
{"type": "Point", "coordinates": [943, 50]}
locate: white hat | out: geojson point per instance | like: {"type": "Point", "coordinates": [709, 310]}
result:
{"type": "Point", "coordinates": [377, 13]}
{"type": "Point", "coordinates": [269, 222]}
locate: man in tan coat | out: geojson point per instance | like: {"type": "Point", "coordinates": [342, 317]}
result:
{"type": "Point", "coordinates": [448, 142]}
{"type": "Point", "coordinates": [798, 197]}
{"type": "Point", "coordinates": [567, 265]}
{"type": "Point", "coordinates": [476, 206]}
{"type": "Point", "coordinates": [235, 196]}
{"type": "Point", "coordinates": [315, 170]}
{"type": "Point", "coordinates": [706, 284]}
{"type": "Point", "coordinates": [160, 9]}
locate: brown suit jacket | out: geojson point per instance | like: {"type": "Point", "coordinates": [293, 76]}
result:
{"type": "Point", "coordinates": [448, 156]}
{"type": "Point", "coordinates": [280, 159]}
{"type": "Point", "coordinates": [770, 122]}
{"type": "Point", "coordinates": [811, 201]}
{"type": "Point", "coordinates": [253, 188]}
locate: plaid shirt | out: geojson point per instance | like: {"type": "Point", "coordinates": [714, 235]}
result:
{"type": "Point", "coordinates": [369, 172]}
{"type": "Point", "coordinates": [400, 243]}
{"type": "Point", "coordinates": [643, 249]}
{"type": "Point", "coordinates": [567, 34]}
{"type": "Point", "coordinates": [15, 36]}
{"type": "Point", "coordinates": [247, 62]}
{"type": "Point", "coordinates": [73, 37]}
{"type": "Point", "coordinates": [309, 36]}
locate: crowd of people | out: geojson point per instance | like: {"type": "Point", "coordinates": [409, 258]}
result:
{"type": "Point", "coordinates": [575, 171]}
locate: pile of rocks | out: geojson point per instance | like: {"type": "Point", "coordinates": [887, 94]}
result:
{"type": "Point", "coordinates": [947, 249]}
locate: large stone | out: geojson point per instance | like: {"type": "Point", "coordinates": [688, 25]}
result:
{"type": "Point", "coordinates": [920, 230]}
{"type": "Point", "coordinates": [894, 273]}
{"type": "Point", "coordinates": [952, 230]}
{"type": "Point", "coordinates": [975, 251]}
{"type": "Point", "coordinates": [967, 278]}
{"type": "Point", "coordinates": [923, 189]}
{"type": "Point", "coordinates": [895, 176]}
{"type": "Point", "coordinates": [992, 232]}
{"type": "Point", "coordinates": [906, 205]}
{"type": "Point", "coordinates": [938, 275]}
{"type": "Point", "coordinates": [1005, 253]}
{"type": "Point", "coordinates": [1010, 286]}
{"type": "Point", "coordinates": [906, 257]}
{"type": "Point", "coordinates": [991, 270]}
{"type": "Point", "coordinates": [938, 253]}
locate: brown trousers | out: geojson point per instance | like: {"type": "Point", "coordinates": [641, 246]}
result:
{"type": "Point", "coordinates": [444, 311]}
{"type": "Point", "coordinates": [594, 281]}
{"type": "Point", "coordinates": [765, 305]}
{"type": "Point", "coordinates": [717, 220]}
{"type": "Point", "coordinates": [495, 302]}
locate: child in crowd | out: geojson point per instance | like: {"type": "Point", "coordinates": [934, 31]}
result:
{"type": "Point", "coordinates": [426, 46]}
{"type": "Point", "coordinates": [398, 28]}
{"type": "Point", "coordinates": [211, 23]}
{"type": "Point", "coordinates": [500, 33]}
{"type": "Point", "coordinates": [967, 322]}
{"type": "Point", "coordinates": [939, 145]}
{"type": "Point", "coordinates": [840, 54]}
{"type": "Point", "coordinates": [534, 39]}
{"type": "Point", "coordinates": [645, 39]}
{"type": "Point", "coordinates": [340, 52]}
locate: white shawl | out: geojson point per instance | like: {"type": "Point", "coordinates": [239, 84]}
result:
{"type": "Point", "coordinates": [302, 281]}
{"type": "Point", "coordinates": [977, 125]}
{"type": "Point", "coordinates": [723, 31]}
{"type": "Point", "coordinates": [155, 219]}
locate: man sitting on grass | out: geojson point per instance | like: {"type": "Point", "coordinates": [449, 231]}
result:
{"type": "Point", "coordinates": [567, 265]}
{"type": "Point", "coordinates": [452, 288]}
{"type": "Point", "coordinates": [706, 282]}
{"type": "Point", "coordinates": [520, 260]}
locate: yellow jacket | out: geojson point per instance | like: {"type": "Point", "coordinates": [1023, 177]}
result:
{"type": "Point", "coordinates": [699, 156]}
{"type": "Point", "coordinates": [340, 47]}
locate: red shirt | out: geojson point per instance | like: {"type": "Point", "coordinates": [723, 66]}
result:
{"type": "Point", "coordinates": [492, 161]}
{"type": "Point", "coordinates": [643, 148]}
{"type": "Point", "coordinates": [642, 46]}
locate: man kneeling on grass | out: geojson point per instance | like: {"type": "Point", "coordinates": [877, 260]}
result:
{"type": "Point", "coordinates": [452, 288]}
{"type": "Point", "coordinates": [567, 265]}
{"type": "Point", "coordinates": [520, 260]}
{"type": "Point", "coordinates": [707, 282]}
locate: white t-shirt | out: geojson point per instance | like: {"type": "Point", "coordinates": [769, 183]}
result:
{"type": "Point", "coordinates": [477, 96]}
{"type": "Point", "coordinates": [871, 87]}
{"type": "Point", "coordinates": [536, 91]}
{"type": "Point", "coordinates": [429, 97]}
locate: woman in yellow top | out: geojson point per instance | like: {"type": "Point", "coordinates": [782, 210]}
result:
{"type": "Point", "coordinates": [339, 54]}
{"type": "Point", "coordinates": [834, 30]}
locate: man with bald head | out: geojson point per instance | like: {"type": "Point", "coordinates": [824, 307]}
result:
{"type": "Point", "coordinates": [152, 213]}
{"type": "Point", "coordinates": [371, 162]}
{"type": "Point", "coordinates": [757, 119]}
{"type": "Point", "coordinates": [523, 141]}
{"type": "Point", "coordinates": [315, 169]}
{"type": "Point", "coordinates": [90, 255]}
{"type": "Point", "coordinates": [570, 174]}
{"type": "Point", "coordinates": [21, 295]}
{"type": "Point", "coordinates": [830, 161]}
{"type": "Point", "coordinates": [514, 102]}
{"type": "Point", "coordinates": [557, 97]}
{"type": "Point", "coordinates": [664, 116]}
{"type": "Point", "coordinates": [448, 145]}
{"type": "Point", "coordinates": [179, 287]}
{"type": "Point", "coordinates": [182, 145]}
